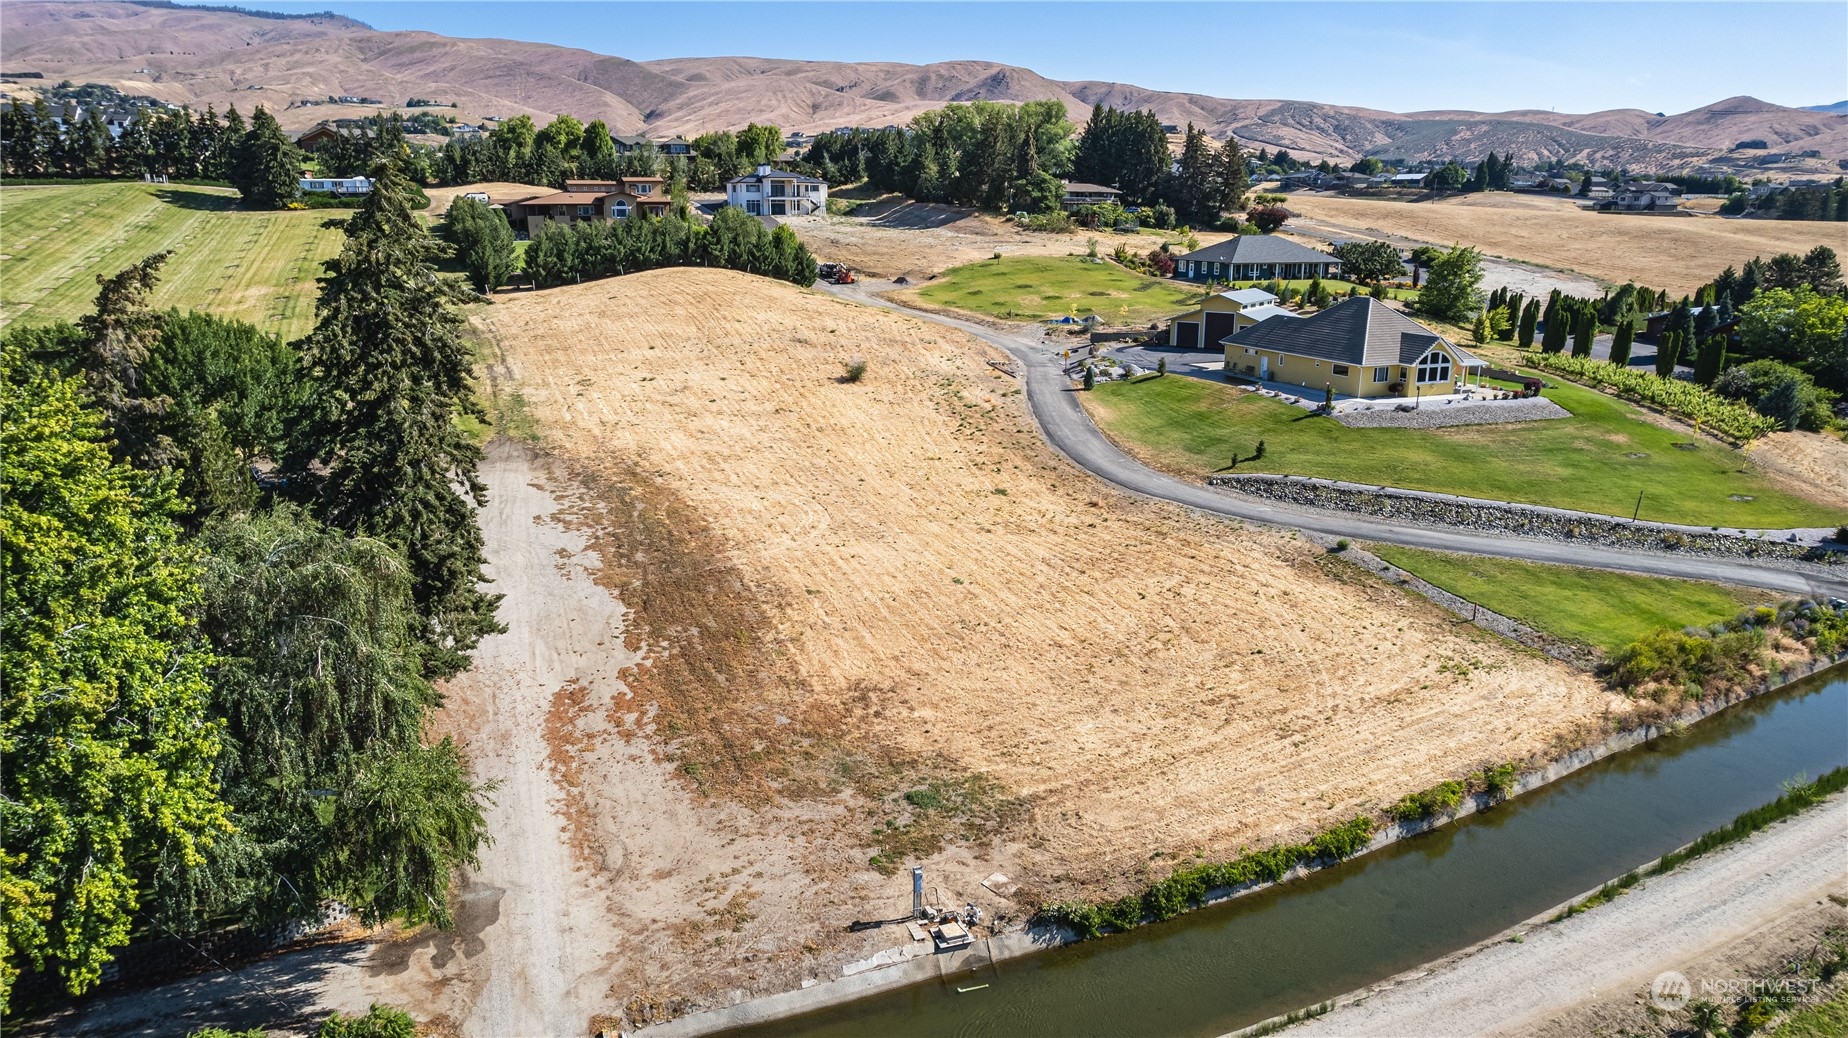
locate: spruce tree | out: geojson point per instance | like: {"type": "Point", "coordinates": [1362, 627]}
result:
{"type": "Point", "coordinates": [266, 168]}
{"type": "Point", "coordinates": [118, 335]}
{"type": "Point", "coordinates": [378, 451]}
{"type": "Point", "coordinates": [1231, 180]}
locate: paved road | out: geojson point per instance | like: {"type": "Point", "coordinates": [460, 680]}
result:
{"type": "Point", "coordinates": [1068, 428]}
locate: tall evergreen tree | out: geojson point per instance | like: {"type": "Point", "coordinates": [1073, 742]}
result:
{"type": "Point", "coordinates": [1231, 179]}
{"type": "Point", "coordinates": [378, 450]}
{"type": "Point", "coordinates": [1621, 340]}
{"type": "Point", "coordinates": [1583, 335]}
{"type": "Point", "coordinates": [118, 335]}
{"type": "Point", "coordinates": [1668, 353]}
{"type": "Point", "coordinates": [1530, 315]}
{"type": "Point", "coordinates": [266, 169]}
{"type": "Point", "coordinates": [1710, 361]}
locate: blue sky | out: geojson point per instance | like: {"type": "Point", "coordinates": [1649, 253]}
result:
{"type": "Point", "coordinates": [1666, 57]}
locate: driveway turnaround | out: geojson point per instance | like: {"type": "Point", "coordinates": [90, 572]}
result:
{"type": "Point", "coordinates": [1069, 429]}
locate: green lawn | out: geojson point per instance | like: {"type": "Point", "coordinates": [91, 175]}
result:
{"type": "Point", "coordinates": [259, 267]}
{"type": "Point", "coordinates": [1606, 610]}
{"type": "Point", "coordinates": [1034, 288]}
{"type": "Point", "coordinates": [1595, 461]}
{"type": "Point", "coordinates": [1335, 285]}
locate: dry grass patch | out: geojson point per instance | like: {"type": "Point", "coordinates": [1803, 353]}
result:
{"type": "Point", "coordinates": [1678, 254]}
{"type": "Point", "coordinates": [901, 567]}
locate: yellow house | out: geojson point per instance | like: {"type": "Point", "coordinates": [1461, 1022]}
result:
{"type": "Point", "coordinates": [1222, 314]}
{"type": "Point", "coordinates": [1359, 347]}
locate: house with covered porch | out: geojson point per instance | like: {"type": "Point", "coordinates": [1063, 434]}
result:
{"type": "Point", "coordinates": [1359, 347]}
{"type": "Point", "coordinates": [1255, 257]}
{"type": "Point", "coordinates": [616, 199]}
{"type": "Point", "coordinates": [1221, 314]}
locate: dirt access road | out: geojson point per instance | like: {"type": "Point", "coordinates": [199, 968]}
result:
{"type": "Point", "coordinates": [1667, 923]}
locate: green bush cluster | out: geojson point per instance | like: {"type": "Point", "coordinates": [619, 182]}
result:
{"type": "Point", "coordinates": [1696, 403]}
{"type": "Point", "coordinates": [1188, 886]}
{"type": "Point", "coordinates": [1682, 658]}
{"type": "Point", "coordinates": [1445, 796]}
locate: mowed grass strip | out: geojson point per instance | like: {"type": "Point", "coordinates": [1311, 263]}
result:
{"type": "Point", "coordinates": [1595, 461]}
{"type": "Point", "coordinates": [1034, 288]}
{"type": "Point", "coordinates": [254, 266]}
{"type": "Point", "coordinates": [1598, 608]}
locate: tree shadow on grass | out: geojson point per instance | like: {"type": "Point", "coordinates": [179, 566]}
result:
{"type": "Point", "coordinates": [188, 198]}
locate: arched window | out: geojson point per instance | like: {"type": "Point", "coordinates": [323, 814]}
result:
{"type": "Point", "coordinates": [620, 210]}
{"type": "Point", "coordinates": [1434, 367]}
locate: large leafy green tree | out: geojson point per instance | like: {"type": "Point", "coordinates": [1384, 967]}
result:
{"type": "Point", "coordinates": [1368, 261]}
{"type": "Point", "coordinates": [266, 167]}
{"type": "Point", "coordinates": [1453, 289]}
{"type": "Point", "coordinates": [322, 698]}
{"type": "Point", "coordinates": [107, 747]}
{"type": "Point", "coordinates": [378, 449]}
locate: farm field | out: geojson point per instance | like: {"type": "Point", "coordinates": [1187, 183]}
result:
{"type": "Point", "coordinates": [1032, 288]}
{"type": "Point", "coordinates": [1598, 608]}
{"type": "Point", "coordinates": [896, 577]}
{"type": "Point", "coordinates": [1596, 461]}
{"type": "Point", "coordinates": [258, 267]}
{"type": "Point", "coordinates": [1677, 254]}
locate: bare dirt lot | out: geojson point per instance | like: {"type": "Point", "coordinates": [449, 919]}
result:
{"type": "Point", "coordinates": [1676, 254]}
{"type": "Point", "coordinates": [898, 575]}
{"type": "Point", "coordinates": [1816, 462]}
{"type": "Point", "coordinates": [902, 238]}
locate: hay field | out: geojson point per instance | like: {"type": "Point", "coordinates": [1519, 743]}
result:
{"type": "Point", "coordinates": [1678, 254]}
{"type": "Point", "coordinates": [258, 267]}
{"type": "Point", "coordinates": [933, 580]}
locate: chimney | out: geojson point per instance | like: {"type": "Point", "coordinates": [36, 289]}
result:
{"type": "Point", "coordinates": [763, 171]}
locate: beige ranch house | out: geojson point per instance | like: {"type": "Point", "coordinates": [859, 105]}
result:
{"type": "Point", "coordinates": [1223, 314]}
{"type": "Point", "coordinates": [1359, 347]}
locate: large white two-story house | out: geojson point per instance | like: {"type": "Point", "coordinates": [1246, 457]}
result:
{"type": "Point", "coordinates": [772, 192]}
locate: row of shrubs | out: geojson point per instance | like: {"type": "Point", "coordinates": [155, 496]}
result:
{"type": "Point", "coordinates": [1497, 784]}
{"type": "Point", "coordinates": [1188, 886]}
{"type": "Point", "coordinates": [1696, 403]}
{"type": "Point", "coordinates": [1696, 660]}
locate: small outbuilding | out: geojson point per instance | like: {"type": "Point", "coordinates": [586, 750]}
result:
{"type": "Point", "coordinates": [1222, 314]}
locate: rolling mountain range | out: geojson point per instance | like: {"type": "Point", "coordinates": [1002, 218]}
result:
{"type": "Point", "coordinates": [222, 56]}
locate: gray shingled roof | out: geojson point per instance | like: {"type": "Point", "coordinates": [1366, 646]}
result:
{"type": "Point", "coordinates": [1258, 248]}
{"type": "Point", "coordinates": [1361, 331]}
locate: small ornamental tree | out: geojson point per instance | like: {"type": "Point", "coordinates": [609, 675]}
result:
{"type": "Point", "coordinates": [1269, 217]}
{"type": "Point", "coordinates": [1453, 291]}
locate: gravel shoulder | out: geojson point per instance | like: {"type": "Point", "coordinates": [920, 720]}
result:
{"type": "Point", "coordinates": [1666, 923]}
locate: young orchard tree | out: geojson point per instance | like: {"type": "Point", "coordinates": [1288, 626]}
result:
{"type": "Point", "coordinates": [378, 452]}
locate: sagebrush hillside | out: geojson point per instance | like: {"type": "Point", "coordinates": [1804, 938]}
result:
{"type": "Point", "coordinates": [204, 56]}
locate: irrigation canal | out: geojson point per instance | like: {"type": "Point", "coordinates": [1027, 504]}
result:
{"type": "Point", "coordinates": [1236, 963]}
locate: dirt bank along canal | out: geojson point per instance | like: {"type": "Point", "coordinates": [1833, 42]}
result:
{"type": "Point", "coordinates": [1281, 949]}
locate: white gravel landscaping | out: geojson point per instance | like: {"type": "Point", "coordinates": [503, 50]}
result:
{"type": "Point", "coordinates": [1436, 416]}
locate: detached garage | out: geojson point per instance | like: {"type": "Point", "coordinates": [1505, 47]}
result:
{"type": "Point", "coordinates": [1219, 316]}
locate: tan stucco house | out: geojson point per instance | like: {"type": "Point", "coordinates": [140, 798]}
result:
{"type": "Point", "coordinates": [1359, 347]}
{"type": "Point", "coordinates": [1222, 314]}
{"type": "Point", "coordinates": [616, 199]}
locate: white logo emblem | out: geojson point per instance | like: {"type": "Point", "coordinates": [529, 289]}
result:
{"type": "Point", "coordinates": [1670, 991]}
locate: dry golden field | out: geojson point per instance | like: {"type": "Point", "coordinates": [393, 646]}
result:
{"type": "Point", "coordinates": [1674, 253]}
{"type": "Point", "coordinates": [899, 569]}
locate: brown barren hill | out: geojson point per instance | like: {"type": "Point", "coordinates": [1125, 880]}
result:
{"type": "Point", "coordinates": [904, 560]}
{"type": "Point", "coordinates": [1676, 254]}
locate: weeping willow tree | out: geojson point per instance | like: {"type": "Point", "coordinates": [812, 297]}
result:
{"type": "Point", "coordinates": [335, 792]}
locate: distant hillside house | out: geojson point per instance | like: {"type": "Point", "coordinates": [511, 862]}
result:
{"type": "Point", "coordinates": [1078, 194]}
{"type": "Point", "coordinates": [1403, 180]}
{"type": "Point", "coordinates": [773, 192]}
{"type": "Point", "coordinates": [338, 185]}
{"type": "Point", "coordinates": [672, 146]}
{"type": "Point", "coordinates": [581, 200]}
{"type": "Point", "coordinates": [1255, 257]}
{"type": "Point", "coordinates": [311, 139]}
{"type": "Point", "coordinates": [1222, 314]}
{"type": "Point", "coordinates": [1359, 347]}
{"type": "Point", "coordinates": [1644, 196]}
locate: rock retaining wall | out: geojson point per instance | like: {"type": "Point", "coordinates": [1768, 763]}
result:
{"type": "Point", "coordinates": [1553, 524]}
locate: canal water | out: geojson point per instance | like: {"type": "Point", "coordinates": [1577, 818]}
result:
{"type": "Point", "coordinates": [1234, 964]}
